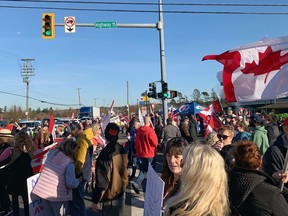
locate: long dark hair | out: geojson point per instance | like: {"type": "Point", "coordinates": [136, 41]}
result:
{"type": "Point", "coordinates": [174, 146]}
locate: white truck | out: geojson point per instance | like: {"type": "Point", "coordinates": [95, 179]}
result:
{"type": "Point", "coordinates": [90, 112]}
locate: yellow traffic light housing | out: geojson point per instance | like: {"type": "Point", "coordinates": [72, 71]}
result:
{"type": "Point", "coordinates": [48, 25]}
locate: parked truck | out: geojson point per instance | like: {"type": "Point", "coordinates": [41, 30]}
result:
{"type": "Point", "coordinates": [90, 112]}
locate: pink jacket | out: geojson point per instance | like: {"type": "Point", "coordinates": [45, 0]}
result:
{"type": "Point", "coordinates": [57, 178]}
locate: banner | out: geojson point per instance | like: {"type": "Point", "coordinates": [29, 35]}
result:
{"type": "Point", "coordinates": [35, 203]}
{"type": "Point", "coordinates": [154, 194]}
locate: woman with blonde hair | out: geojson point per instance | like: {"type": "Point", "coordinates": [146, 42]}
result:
{"type": "Point", "coordinates": [204, 187]}
{"type": "Point", "coordinates": [43, 138]}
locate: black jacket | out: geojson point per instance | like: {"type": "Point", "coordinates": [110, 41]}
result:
{"type": "Point", "coordinates": [20, 170]}
{"type": "Point", "coordinates": [254, 193]}
{"type": "Point", "coordinates": [274, 157]}
{"type": "Point", "coordinates": [272, 132]}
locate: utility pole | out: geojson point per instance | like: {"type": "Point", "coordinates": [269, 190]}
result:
{"type": "Point", "coordinates": [128, 112]}
{"type": "Point", "coordinates": [27, 70]}
{"type": "Point", "coordinates": [78, 89]}
{"type": "Point", "coordinates": [95, 99]}
{"type": "Point", "coordinates": [160, 27]}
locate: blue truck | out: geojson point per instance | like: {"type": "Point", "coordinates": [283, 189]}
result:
{"type": "Point", "coordinates": [89, 112]}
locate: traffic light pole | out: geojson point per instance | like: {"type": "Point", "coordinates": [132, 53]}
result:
{"type": "Point", "coordinates": [162, 60]}
{"type": "Point", "coordinates": [160, 28]}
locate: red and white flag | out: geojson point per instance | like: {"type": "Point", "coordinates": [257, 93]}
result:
{"type": "Point", "coordinates": [257, 71]}
{"type": "Point", "coordinates": [210, 118]}
{"type": "Point", "coordinates": [39, 158]}
{"type": "Point", "coordinates": [52, 128]}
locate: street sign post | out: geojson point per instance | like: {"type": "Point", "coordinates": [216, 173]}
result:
{"type": "Point", "coordinates": [110, 24]}
{"type": "Point", "coordinates": [70, 24]}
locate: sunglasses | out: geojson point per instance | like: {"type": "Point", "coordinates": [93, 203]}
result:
{"type": "Point", "coordinates": [219, 136]}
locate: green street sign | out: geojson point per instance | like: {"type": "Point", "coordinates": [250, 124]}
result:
{"type": "Point", "coordinates": [105, 24]}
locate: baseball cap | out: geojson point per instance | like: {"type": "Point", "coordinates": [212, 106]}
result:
{"type": "Point", "coordinates": [111, 132]}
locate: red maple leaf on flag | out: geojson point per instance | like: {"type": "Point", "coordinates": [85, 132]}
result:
{"type": "Point", "coordinates": [268, 61]}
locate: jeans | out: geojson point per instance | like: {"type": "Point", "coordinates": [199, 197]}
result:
{"type": "Point", "coordinates": [143, 167]}
{"type": "Point", "coordinates": [77, 205]}
{"type": "Point", "coordinates": [114, 208]}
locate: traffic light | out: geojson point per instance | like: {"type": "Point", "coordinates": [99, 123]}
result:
{"type": "Point", "coordinates": [48, 23]}
{"type": "Point", "coordinates": [173, 94]}
{"type": "Point", "coordinates": [164, 90]}
{"type": "Point", "coordinates": [152, 90]}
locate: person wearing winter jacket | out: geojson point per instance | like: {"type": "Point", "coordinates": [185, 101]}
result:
{"type": "Point", "coordinates": [6, 140]}
{"type": "Point", "coordinates": [20, 171]}
{"type": "Point", "coordinates": [274, 157]}
{"type": "Point", "coordinates": [242, 134]}
{"type": "Point", "coordinates": [251, 191]}
{"type": "Point", "coordinates": [146, 142]}
{"type": "Point", "coordinates": [259, 133]}
{"type": "Point", "coordinates": [57, 179]}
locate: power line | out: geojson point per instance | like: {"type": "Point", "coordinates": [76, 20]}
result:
{"type": "Point", "coordinates": [147, 11]}
{"type": "Point", "coordinates": [152, 3]}
{"type": "Point", "coordinates": [42, 101]}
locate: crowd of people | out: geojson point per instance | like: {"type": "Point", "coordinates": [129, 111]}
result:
{"type": "Point", "coordinates": [238, 170]}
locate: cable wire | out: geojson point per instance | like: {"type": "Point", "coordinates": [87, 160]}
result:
{"type": "Point", "coordinates": [148, 11]}
{"type": "Point", "coordinates": [42, 101]}
{"type": "Point", "coordinates": [151, 3]}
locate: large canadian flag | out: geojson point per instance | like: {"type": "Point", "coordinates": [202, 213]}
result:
{"type": "Point", "coordinates": [257, 71]}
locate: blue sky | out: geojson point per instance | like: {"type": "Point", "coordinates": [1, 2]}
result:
{"type": "Point", "coordinates": [101, 61]}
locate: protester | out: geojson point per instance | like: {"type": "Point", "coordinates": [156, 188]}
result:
{"type": "Point", "coordinates": [83, 165]}
{"type": "Point", "coordinates": [204, 187]}
{"type": "Point", "coordinates": [131, 142]}
{"type": "Point", "coordinates": [243, 133]}
{"type": "Point", "coordinates": [169, 131]}
{"type": "Point", "coordinates": [6, 140]}
{"type": "Point", "coordinates": [158, 126]}
{"type": "Point", "coordinates": [111, 176]}
{"type": "Point", "coordinates": [98, 144]}
{"type": "Point", "coordinates": [272, 129]}
{"type": "Point", "coordinates": [57, 179]}
{"type": "Point", "coordinates": [184, 129]}
{"type": "Point", "coordinates": [20, 171]}
{"type": "Point", "coordinates": [211, 138]}
{"type": "Point", "coordinates": [259, 133]}
{"type": "Point", "coordinates": [43, 138]}
{"type": "Point", "coordinates": [172, 166]}
{"type": "Point", "coordinates": [252, 192]}
{"type": "Point", "coordinates": [274, 157]}
{"type": "Point", "coordinates": [145, 143]}
{"type": "Point", "coordinates": [225, 146]}
{"type": "Point", "coordinates": [193, 127]}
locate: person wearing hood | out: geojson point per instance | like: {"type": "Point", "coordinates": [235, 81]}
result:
{"type": "Point", "coordinates": [251, 191]}
{"type": "Point", "coordinates": [111, 176]}
{"type": "Point", "coordinates": [259, 133]}
{"type": "Point", "coordinates": [57, 179]}
{"type": "Point", "coordinates": [146, 142]}
{"type": "Point", "coordinates": [274, 157]}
